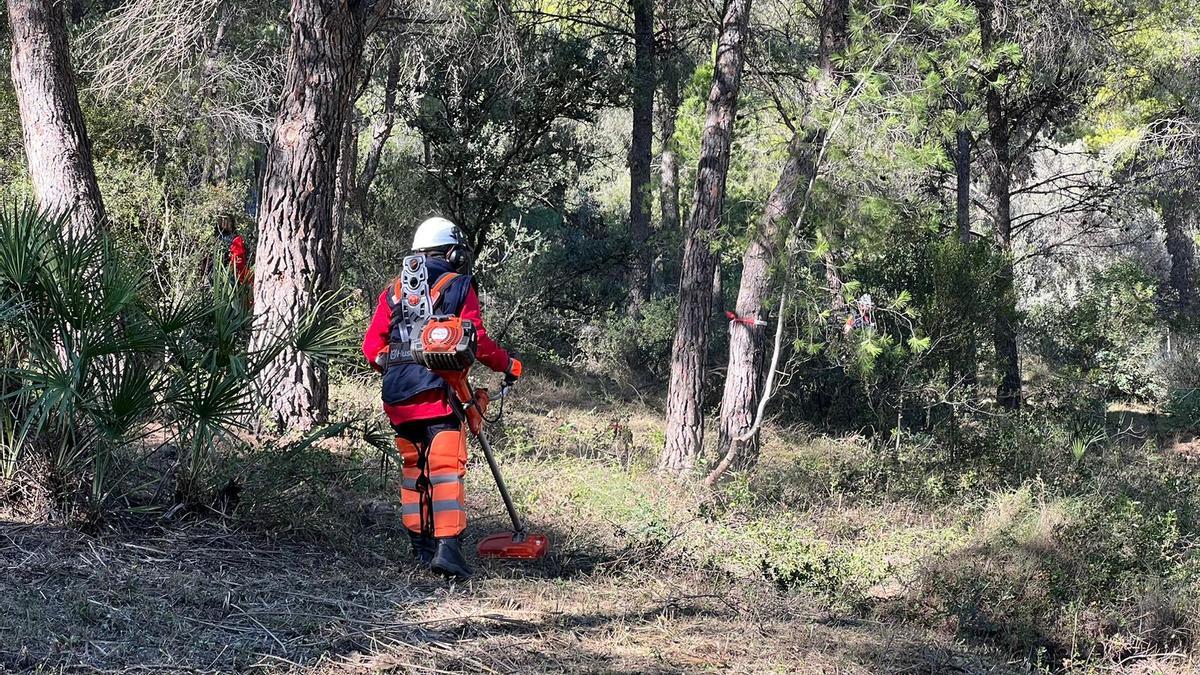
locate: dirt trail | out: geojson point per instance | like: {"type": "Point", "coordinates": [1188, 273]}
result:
{"type": "Point", "coordinates": [201, 599]}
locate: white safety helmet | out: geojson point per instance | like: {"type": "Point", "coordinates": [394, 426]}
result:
{"type": "Point", "coordinates": [435, 233]}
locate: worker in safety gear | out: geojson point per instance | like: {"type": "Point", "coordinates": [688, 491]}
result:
{"type": "Point", "coordinates": [429, 435]}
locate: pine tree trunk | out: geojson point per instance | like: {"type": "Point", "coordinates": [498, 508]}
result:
{"type": "Point", "coordinates": [56, 143]}
{"type": "Point", "coordinates": [668, 109]}
{"type": "Point", "coordinates": [294, 260]}
{"type": "Point", "coordinates": [685, 423]}
{"type": "Point", "coordinates": [1176, 216]}
{"type": "Point", "coordinates": [743, 383]}
{"type": "Point", "coordinates": [1004, 334]}
{"type": "Point", "coordinates": [641, 148]}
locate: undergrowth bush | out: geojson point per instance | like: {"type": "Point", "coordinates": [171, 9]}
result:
{"type": "Point", "coordinates": [1112, 334]}
{"type": "Point", "coordinates": [631, 347]}
{"type": "Point", "coordinates": [96, 367]}
{"type": "Point", "coordinates": [1088, 559]}
{"type": "Point", "coordinates": [1181, 369]}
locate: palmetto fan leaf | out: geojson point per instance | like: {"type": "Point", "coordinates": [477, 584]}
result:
{"type": "Point", "coordinates": [73, 277]}
{"type": "Point", "coordinates": [320, 336]}
{"type": "Point", "coordinates": [124, 401]}
{"type": "Point", "coordinates": [89, 364]}
{"type": "Point", "coordinates": [50, 384]}
{"type": "Point", "coordinates": [24, 236]}
{"type": "Point", "coordinates": [212, 399]}
{"type": "Point", "coordinates": [182, 314]}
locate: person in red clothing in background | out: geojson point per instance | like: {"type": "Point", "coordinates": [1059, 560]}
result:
{"type": "Point", "coordinates": [233, 249]}
{"type": "Point", "coordinates": [429, 435]}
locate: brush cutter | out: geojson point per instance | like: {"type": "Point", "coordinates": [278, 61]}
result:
{"type": "Point", "coordinates": [446, 345]}
{"type": "Point", "coordinates": [519, 544]}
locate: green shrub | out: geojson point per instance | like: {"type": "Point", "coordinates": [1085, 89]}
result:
{"type": "Point", "coordinates": [1112, 334]}
{"type": "Point", "coordinates": [92, 359]}
{"type": "Point", "coordinates": [636, 348]}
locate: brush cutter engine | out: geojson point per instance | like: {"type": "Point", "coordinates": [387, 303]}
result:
{"type": "Point", "coordinates": [445, 343]}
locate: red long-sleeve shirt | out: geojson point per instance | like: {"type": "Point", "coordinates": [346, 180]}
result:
{"type": "Point", "coordinates": [429, 404]}
{"type": "Point", "coordinates": [237, 259]}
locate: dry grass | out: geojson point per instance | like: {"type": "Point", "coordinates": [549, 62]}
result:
{"type": "Point", "coordinates": [640, 580]}
{"type": "Point", "coordinates": [199, 598]}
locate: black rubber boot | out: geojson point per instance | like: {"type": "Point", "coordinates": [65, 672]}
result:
{"type": "Point", "coordinates": [449, 560]}
{"type": "Point", "coordinates": [423, 547]}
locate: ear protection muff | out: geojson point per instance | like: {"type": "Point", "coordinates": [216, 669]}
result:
{"type": "Point", "coordinates": [459, 257]}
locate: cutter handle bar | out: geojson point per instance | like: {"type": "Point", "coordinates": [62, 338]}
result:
{"type": "Point", "coordinates": [518, 527]}
{"type": "Point", "coordinates": [458, 387]}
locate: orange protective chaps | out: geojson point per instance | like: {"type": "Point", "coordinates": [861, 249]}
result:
{"type": "Point", "coordinates": [435, 462]}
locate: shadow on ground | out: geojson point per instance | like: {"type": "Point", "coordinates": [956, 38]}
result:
{"type": "Point", "coordinates": [200, 598]}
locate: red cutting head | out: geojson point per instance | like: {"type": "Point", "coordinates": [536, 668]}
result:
{"type": "Point", "coordinates": [512, 546]}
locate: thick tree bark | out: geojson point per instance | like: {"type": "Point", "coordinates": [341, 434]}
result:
{"type": "Point", "coordinates": [641, 148]}
{"type": "Point", "coordinates": [295, 244]}
{"type": "Point", "coordinates": [685, 424]}
{"type": "Point", "coordinates": [1177, 215]}
{"type": "Point", "coordinates": [56, 143]}
{"type": "Point", "coordinates": [746, 341]}
{"type": "Point", "coordinates": [1004, 333]}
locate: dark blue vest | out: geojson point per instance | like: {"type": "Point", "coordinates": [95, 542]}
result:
{"type": "Point", "coordinates": [402, 381]}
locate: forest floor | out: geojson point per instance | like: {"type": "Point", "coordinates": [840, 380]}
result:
{"type": "Point", "coordinates": [199, 599]}
{"type": "Point", "coordinates": [644, 577]}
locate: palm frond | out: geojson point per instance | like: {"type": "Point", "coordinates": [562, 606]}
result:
{"type": "Point", "coordinates": [25, 234]}
{"type": "Point", "coordinates": [123, 401]}
{"type": "Point", "coordinates": [320, 335]}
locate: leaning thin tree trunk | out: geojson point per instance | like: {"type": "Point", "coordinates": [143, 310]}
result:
{"type": "Point", "coordinates": [669, 156]}
{"type": "Point", "coordinates": [834, 26]}
{"type": "Point", "coordinates": [1004, 334]}
{"type": "Point", "coordinates": [965, 370]}
{"type": "Point", "coordinates": [685, 423]}
{"type": "Point", "coordinates": [347, 169]}
{"type": "Point", "coordinates": [295, 244]}
{"type": "Point", "coordinates": [962, 176]}
{"type": "Point", "coordinates": [641, 148]}
{"type": "Point", "coordinates": [668, 108]}
{"type": "Point", "coordinates": [381, 132]}
{"type": "Point", "coordinates": [737, 443]}
{"type": "Point", "coordinates": [746, 333]}
{"type": "Point", "coordinates": [56, 142]}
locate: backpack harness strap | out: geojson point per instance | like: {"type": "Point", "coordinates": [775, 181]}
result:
{"type": "Point", "coordinates": [412, 303]}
